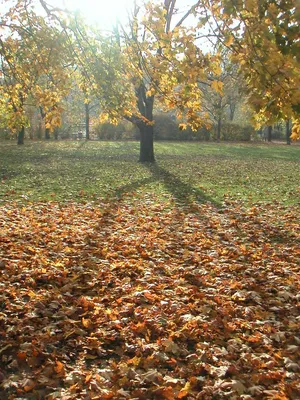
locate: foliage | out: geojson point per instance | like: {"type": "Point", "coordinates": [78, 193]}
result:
{"type": "Point", "coordinates": [34, 66]}
{"type": "Point", "coordinates": [167, 128]}
{"type": "Point", "coordinates": [156, 57]}
{"type": "Point", "coordinates": [4, 133]}
{"type": "Point", "coordinates": [235, 132]}
{"type": "Point", "coordinates": [163, 288]}
{"type": "Point", "coordinates": [123, 130]}
{"type": "Point", "coordinates": [263, 38]}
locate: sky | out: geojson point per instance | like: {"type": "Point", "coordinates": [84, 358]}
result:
{"type": "Point", "coordinates": [105, 12]}
{"type": "Point", "coordinates": [101, 12]}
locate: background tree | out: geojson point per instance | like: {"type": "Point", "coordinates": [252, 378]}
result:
{"type": "Point", "coordinates": [221, 98]}
{"type": "Point", "coordinates": [263, 38]}
{"type": "Point", "coordinates": [18, 77]}
{"type": "Point", "coordinates": [34, 64]}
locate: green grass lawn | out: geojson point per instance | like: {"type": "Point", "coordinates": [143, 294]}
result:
{"type": "Point", "coordinates": [89, 171]}
{"type": "Point", "coordinates": [120, 280]}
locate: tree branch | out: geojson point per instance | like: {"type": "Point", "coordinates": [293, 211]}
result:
{"type": "Point", "coordinates": [187, 14]}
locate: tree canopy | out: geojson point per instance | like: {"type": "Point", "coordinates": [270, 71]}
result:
{"type": "Point", "coordinates": [157, 57]}
{"type": "Point", "coordinates": [263, 37]}
{"type": "Point", "coordinates": [35, 60]}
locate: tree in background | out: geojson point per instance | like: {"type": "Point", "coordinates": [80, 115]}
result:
{"type": "Point", "coordinates": [80, 109]}
{"type": "Point", "coordinates": [17, 81]}
{"type": "Point", "coordinates": [263, 37]}
{"type": "Point", "coordinates": [221, 104]}
{"type": "Point", "coordinates": [34, 68]}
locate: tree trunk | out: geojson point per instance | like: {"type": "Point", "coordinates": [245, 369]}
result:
{"type": "Point", "coordinates": [47, 130]}
{"type": "Point", "coordinates": [219, 129]}
{"type": "Point", "coordinates": [21, 136]}
{"type": "Point", "coordinates": [270, 133]}
{"type": "Point", "coordinates": [232, 111]}
{"type": "Point", "coordinates": [47, 133]}
{"type": "Point", "coordinates": [145, 106]}
{"type": "Point", "coordinates": [146, 143]}
{"type": "Point", "coordinates": [287, 132]}
{"type": "Point", "coordinates": [87, 121]}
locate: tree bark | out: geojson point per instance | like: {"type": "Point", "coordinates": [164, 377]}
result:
{"type": "Point", "coordinates": [47, 133]}
{"type": "Point", "coordinates": [87, 121]}
{"type": "Point", "coordinates": [232, 111]}
{"type": "Point", "coordinates": [146, 143]}
{"type": "Point", "coordinates": [145, 105]}
{"type": "Point", "coordinates": [270, 133]}
{"type": "Point", "coordinates": [21, 135]}
{"type": "Point", "coordinates": [287, 132]}
{"type": "Point", "coordinates": [47, 130]}
{"type": "Point", "coordinates": [219, 129]}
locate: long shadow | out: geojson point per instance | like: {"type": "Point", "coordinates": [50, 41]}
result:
{"type": "Point", "coordinates": [132, 187]}
{"type": "Point", "coordinates": [183, 193]}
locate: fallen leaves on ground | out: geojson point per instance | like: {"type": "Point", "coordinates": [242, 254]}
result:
{"type": "Point", "coordinates": [137, 299]}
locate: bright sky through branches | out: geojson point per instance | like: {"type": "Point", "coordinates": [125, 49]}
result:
{"type": "Point", "coordinates": [101, 12]}
{"type": "Point", "coordinates": [104, 13]}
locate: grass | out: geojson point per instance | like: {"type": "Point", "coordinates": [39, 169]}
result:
{"type": "Point", "coordinates": [81, 171]}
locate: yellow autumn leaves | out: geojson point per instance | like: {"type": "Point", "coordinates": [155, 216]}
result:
{"type": "Point", "coordinates": [155, 54]}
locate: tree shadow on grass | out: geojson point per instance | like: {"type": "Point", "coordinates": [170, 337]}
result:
{"type": "Point", "coordinates": [183, 193]}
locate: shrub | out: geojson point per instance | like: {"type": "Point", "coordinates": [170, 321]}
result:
{"type": "Point", "coordinates": [234, 132]}
{"type": "Point", "coordinates": [124, 130]}
{"type": "Point", "coordinates": [5, 133]}
{"type": "Point", "coordinates": [167, 128]}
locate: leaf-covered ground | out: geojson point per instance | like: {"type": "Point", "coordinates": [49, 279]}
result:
{"type": "Point", "coordinates": [162, 287]}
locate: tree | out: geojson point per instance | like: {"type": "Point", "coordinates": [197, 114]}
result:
{"type": "Point", "coordinates": [263, 38]}
{"type": "Point", "coordinates": [155, 59]}
{"type": "Point", "coordinates": [269, 133]}
{"type": "Point", "coordinates": [16, 84]}
{"type": "Point", "coordinates": [34, 67]}
{"type": "Point", "coordinates": [220, 101]}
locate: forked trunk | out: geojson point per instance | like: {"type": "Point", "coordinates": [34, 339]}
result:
{"type": "Point", "coordinates": [21, 135]}
{"type": "Point", "coordinates": [145, 124]}
{"type": "Point", "coordinates": [146, 143]}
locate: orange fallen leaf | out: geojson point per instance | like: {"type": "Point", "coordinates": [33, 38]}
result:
{"type": "Point", "coordinates": [59, 368]}
{"type": "Point", "coordinates": [29, 385]}
{"type": "Point", "coordinates": [21, 355]}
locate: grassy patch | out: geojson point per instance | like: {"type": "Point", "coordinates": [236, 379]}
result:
{"type": "Point", "coordinates": [89, 171]}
